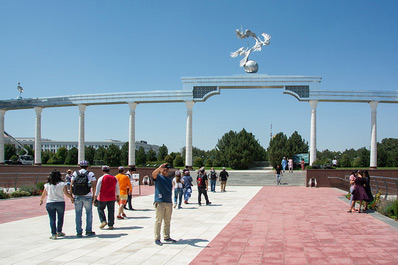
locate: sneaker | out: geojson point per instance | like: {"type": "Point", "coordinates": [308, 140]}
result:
{"type": "Point", "coordinates": [110, 227]}
{"type": "Point", "coordinates": [53, 237]}
{"type": "Point", "coordinates": [208, 203]}
{"type": "Point", "coordinates": [79, 234]}
{"type": "Point", "coordinates": [91, 233]}
{"type": "Point", "coordinates": [103, 224]}
{"type": "Point", "coordinates": [124, 215]}
{"type": "Point", "coordinates": [170, 240]}
{"type": "Point", "coordinates": [119, 217]}
{"type": "Point", "coordinates": [186, 202]}
{"type": "Point", "coordinates": [157, 242]}
{"type": "Point", "coordinates": [175, 205]}
{"type": "Point", "coordinates": [60, 234]}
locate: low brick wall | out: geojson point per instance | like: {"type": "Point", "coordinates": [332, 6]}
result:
{"type": "Point", "coordinates": [323, 180]}
{"type": "Point", "coordinates": [8, 180]}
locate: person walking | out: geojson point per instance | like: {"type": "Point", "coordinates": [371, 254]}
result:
{"type": "Point", "coordinates": [223, 179]}
{"type": "Point", "coordinates": [107, 192]}
{"type": "Point", "coordinates": [125, 188]}
{"type": "Point", "coordinates": [284, 164]}
{"type": "Point", "coordinates": [130, 173]}
{"type": "Point", "coordinates": [68, 178]}
{"type": "Point", "coordinates": [290, 165]}
{"type": "Point", "coordinates": [213, 179]}
{"type": "Point", "coordinates": [203, 185]}
{"type": "Point", "coordinates": [83, 185]}
{"type": "Point", "coordinates": [162, 202]}
{"type": "Point", "coordinates": [54, 190]}
{"type": "Point", "coordinates": [187, 182]}
{"type": "Point", "coordinates": [368, 190]}
{"type": "Point", "coordinates": [178, 189]}
{"type": "Point", "coordinates": [278, 173]}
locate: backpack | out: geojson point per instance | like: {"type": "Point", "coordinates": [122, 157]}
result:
{"type": "Point", "coordinates": [213, 175]}
{"type": "Point", "coordinates": [81, 184]}
{"type": "Point", "coordinates": [200, 180]}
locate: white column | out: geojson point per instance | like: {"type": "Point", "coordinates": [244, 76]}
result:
{"type": "Point", "coordinates": [373, 135]}
{"type": "Point", "coordinates": [38, 111]}
{"type": "Point", "coordinates": [131, 160]}
{"type": "Point", "coordinates": [81, 143]}
{"type": "Point", "coordinates": [188, 137]}
{"type": "Point", "coordinates": [2, 113]}
{"type": "Point", "coordinates": [313, 104]}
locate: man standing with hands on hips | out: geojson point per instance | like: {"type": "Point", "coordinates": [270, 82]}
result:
{"type": "Point", "coordinates": [163, 203]}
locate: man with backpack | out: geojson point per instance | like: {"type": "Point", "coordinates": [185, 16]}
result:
{"type": "Point", "coordinates": [213, 179]}
{"type": "Point", "coordinates": [82, 182]}
{"type": "Point", "coordinates": [203, 185]}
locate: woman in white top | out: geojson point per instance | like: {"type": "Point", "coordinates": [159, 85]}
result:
{"type": "Point", "coordinates": [178, 189]}
{"type": "Point", "coordinates": [55, 189]}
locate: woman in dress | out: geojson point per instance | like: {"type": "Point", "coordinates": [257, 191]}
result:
{"type": "Point", "coordinates": [55, 189]}
{"type": "Point", "coordinates": [359, 193]}
{"type": "Point", "coordinates": [367, 189]}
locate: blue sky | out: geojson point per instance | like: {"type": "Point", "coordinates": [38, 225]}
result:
{"type": "Point", "coordinates": [57, 48]}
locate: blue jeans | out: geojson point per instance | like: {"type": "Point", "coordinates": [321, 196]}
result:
{"type": "Point", "coordinates": [178, 193]}
{"type": "Point", "coordinates": [187, 193]}
{"type": "Point", "coordinates": [351, 191]}
{"type": "Point", "coordinates": [213, 184]}
{"type": "Point", "coordinates": [54, 208]}
{"type": "Point", "coordinates": [111, 211]}
{"type": "Point", "coordinates": [87, 202]}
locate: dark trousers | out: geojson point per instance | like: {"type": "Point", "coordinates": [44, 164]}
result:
{"type": "Point", "coordinates": [54, 209]}
{"type": "Point", "coordinates": [111, 211]}
{"type": "Point", "coordinates": [129, 197]}
{"type": "Point", "coordinates": [204, 192]}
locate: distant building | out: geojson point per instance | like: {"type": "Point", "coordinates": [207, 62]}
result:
{"type": "Point", "coordinates": [53, 146]}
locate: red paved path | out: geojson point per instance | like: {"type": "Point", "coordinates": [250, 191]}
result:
{"type": "Point", "coordinates": [27, 207]}
{"type": "Point", "coordinates": [297, 225]}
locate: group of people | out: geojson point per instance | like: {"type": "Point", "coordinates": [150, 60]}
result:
{"type": "Point", "coordinates": [360, 190]}
{"type": "Point", "coordinates": [83, 189]}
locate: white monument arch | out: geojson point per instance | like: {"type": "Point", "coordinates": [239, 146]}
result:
{"type": "Point", "coordinates": [199, 89]}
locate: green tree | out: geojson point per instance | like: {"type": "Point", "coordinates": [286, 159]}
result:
{"type": "Point", "coordinates": [163, 152]}
{"type": "Point", "coordinates": [178, 161]}
{"type": "Point", "coordinates": [345, 160]}
{"type": "Point", "coordinates": [100, 153]}
{"type": "Point", "coordinates": [112, 156]}
{"type": "Point", "coordinates": [198, 162]}
{"type": "Point", "coordinates": [387, 153]}
{"type": "Point", "coordinates": [9, 151]}
{"type": "Point", "coordinates": [169, 159]}
{"type": "Point", "coordinates": [151, 155]}
{"type": "Point", "coordinates": [89, 153]}
{"type": "Point", "coordinates": [140, 156]}
{"type": "Point", "coordinates": [72, 156]}
{"type": "Point", "coordinates": [209, 162]}
{"type": "Point", "coordinates": [239, 150]}
{"type": "Point", "coordinates": [296, 145]}
{"type": "Point", "coordinates": [61, 154]}
{"type": "Point", "coordinates": [277, 149]}
{"type": "Point", "coordinates": [124, 154]}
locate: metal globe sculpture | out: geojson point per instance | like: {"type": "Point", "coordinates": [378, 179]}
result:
{"type": "Point", "coordinates": [249, 65]}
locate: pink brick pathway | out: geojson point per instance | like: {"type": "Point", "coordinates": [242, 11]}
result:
{"type": "Point", "coordinates": [298, 225]}
{"type": "Point", "coordinates": [26, 207]}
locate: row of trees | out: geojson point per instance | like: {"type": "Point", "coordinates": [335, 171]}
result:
{"type": "Point", "coordinates": [237, 150]}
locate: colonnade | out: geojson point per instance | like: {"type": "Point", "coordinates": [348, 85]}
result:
{"type": "Point", "coordinates": [188, 154]}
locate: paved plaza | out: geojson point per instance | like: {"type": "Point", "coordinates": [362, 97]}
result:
{"type": "Point", "coordinates": [287, 224]}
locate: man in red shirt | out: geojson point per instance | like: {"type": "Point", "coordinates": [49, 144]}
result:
{"type": "Point", "coordinates": [107, 193]}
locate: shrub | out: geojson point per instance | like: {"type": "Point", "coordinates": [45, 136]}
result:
{"type": "Point", "coordinates": [4, 195]}
{"type": "Point", "coordinates": [19, 193]}
{"type": "Point", "coordinates": [40, 186]}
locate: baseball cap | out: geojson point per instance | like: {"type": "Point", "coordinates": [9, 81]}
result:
{"type": "Point", "coordinates": [120, 168]}
{"type": "Point", "coordinates": [105, 168]}
{"type": "Point", "coordinates": [83, 163]}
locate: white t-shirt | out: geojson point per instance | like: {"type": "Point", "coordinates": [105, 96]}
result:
{"type": "Point", "coordinates": [90, 176]}
{"type": "Point", "coordinates": [55, 193]}
{"type": "Point", "coordinates": [177, 185]}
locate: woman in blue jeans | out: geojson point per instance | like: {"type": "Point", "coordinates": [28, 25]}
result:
{"type": "Point", "coordinates": [178, 189]}
{"type": "Point", "coordinates": [55, 189]}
